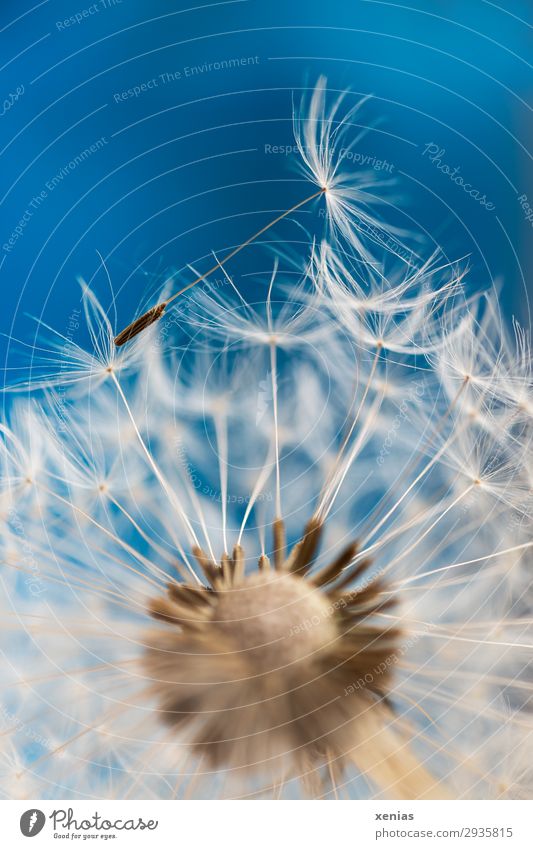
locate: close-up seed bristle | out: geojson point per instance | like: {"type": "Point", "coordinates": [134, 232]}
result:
{"type": "Point", "coordinates": [142, 323]}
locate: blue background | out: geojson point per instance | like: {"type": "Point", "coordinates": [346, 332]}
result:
{"type": "Point", "coordinates": [182, 168]}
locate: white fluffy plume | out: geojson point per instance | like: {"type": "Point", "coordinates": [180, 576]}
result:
{"type": "Point", "coordinates": [292, 559]}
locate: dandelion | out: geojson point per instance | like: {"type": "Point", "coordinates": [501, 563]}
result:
{"type": "Point", "coordinates": [289, 557]}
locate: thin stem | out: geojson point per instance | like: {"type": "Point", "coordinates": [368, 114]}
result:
{"type": "Point", "coordinates": [489, 556]}
{"type": "Point", "coordinates": [146, 537]}
{"type": "Point", "coordinates": [259, 484]}
{"type": "Point", "coordinates": [197, 505]}
{"type": "Point", "coordinates": [274, 378]}
{"type": "Point", "coordinates": [326, 490]}
{"type": "Point", "coordinates": [427, 468]}
{"type": "Point", "coordinates": [338, 480]}
{"type": "Point", "coordinates": [221, 430]}
{"type": "Point", "coordinates": [403, 554]}
{"type": "Point", "coordinates": [122, 543]}
{"type": "Point", "coordinates": [166, 486]}
{"type": "Point", "coordinates": [155, 313]}
{"type": "Point", "coordinates": [237, 250]}
{"type": "Point", "coordinates": [436, 432]}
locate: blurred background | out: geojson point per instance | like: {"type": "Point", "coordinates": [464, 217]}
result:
{"type": "Point", "coordinates": [149, 134]}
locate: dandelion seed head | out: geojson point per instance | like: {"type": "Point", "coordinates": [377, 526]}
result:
{"type": "Point", "coordinates": [290, 555]}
